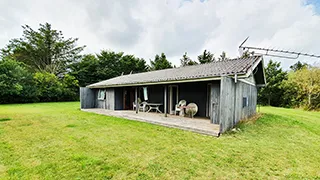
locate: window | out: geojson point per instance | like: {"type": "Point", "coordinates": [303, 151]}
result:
{"type": "Point", "coordinates": [101, 94]}
{"type": "Point", "coordinates": [245, 102]}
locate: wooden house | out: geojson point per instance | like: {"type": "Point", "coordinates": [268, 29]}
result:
{"type": "Point", "coordinates": [225, 92]}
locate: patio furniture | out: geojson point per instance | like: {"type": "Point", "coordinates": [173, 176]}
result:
{"type": "Point", "coordinates": [142, 105]}
{"type": "Point", "coordinates": [134, 106]}
{"type": "Point", "coordinates": [178, 107]}
{"type": "Point", "coordinates": [191, 109]}
{"type": "Point", "coordinates": [154, 106]}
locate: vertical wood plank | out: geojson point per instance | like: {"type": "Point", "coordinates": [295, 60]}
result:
{"type": "Point", "coordinates": [165, 100]}
{"type": "Point", "coordinates": [136, 99]}
{"type": "Point", "coordinates": [215, 103]}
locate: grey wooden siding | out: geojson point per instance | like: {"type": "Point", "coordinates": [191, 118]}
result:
{"type": "Point", "coordinates": [231, 102]}
{"type": "Point", "coordinates": [226, 104]}
{"type": "Point", "coordinates": [98, 103]}
{"type": "Point", "coordinates": [86, 98]}
{"type": "Point", "coordinates": [249, 91]}
{"type": "Point", "coordinates": [110, 99]}
{"type": "Point", "coordinates": [215, 103]}
{"type": "Point", "coordinates": [108, 102]}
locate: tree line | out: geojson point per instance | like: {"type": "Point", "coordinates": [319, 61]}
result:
{"type": "Point", "coordinates": [44, 66]}
{"type": "Point", "coordinates": [297, 87]}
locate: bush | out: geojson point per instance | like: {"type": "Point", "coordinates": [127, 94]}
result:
{"type": "Point", "coordinates": [70, 88]}
{"type": "Point", "coordinates": [48, 87]}
{"type": "Point", "coordinates": [16, 83]}
{"type": "Point", "coordinates": [51, 88]}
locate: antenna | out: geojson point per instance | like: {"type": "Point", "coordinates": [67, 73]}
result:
{"type": "Point", "coordinates": [273, 50]}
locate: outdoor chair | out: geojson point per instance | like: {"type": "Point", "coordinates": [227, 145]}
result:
{"type": "Point", "coordinates": [178, 106]}
{"type": "Point", "coordinates": [134, 106]}
{"type": "Point", "coordinates": [142, 105]}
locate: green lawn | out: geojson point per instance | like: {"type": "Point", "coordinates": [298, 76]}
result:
{"type": "Point", "coordinates": [58, 141]}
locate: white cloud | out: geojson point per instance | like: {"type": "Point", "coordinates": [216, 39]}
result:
{"type": "Point", "coordinates": [145, 28]}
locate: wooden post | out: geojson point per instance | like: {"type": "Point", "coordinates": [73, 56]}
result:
{"type": "Point", "coordinates": [136, 100]}
{"type": "Point", "coordinates": [165, 100]}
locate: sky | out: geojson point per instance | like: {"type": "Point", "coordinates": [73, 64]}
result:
{"type": "Point", "coordinates": [148, 27]}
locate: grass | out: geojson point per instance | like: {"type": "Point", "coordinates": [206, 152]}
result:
{"type": "Point", "coordinates": [58, 141]}
{"type": "Point", "coordinates": [4, 119]}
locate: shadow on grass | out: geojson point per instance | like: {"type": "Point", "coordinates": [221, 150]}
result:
{"type": "Point", "coordinates": [4, 119]}
{"type": "Point", "coordinates": [71, 125]}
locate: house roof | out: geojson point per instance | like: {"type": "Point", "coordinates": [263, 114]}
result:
{"type": "Point", "coordinates": [201, 72]}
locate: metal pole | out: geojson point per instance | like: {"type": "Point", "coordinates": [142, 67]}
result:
{"type": "Point", "coordinates": [136, 100]}
{"type": "Point", "coordinates": [165, 100]}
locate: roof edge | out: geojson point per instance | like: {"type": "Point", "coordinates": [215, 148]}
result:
{"type": "Point", "coordinates": [167, 82]}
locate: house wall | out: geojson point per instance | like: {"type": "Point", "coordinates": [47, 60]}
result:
{"type": "Point", "coordinates": [195, 92]}
{"type": "Point", "coordinates": [231, 102]}
{"type": "Point", "coordinates": [98, 103]}
{"type": "Point", "coordinates": [110, 99]}
{"type": "Point", "coordinates": [249, 91]}
{"type": "Point", "coordinates": [215, 103]}
{"type": "Point", "coordinates": [86, 98]}
{"type": "Point", "coordinates": [108, 102]}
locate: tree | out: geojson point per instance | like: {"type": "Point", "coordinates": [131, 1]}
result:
{"type": "Point", "coordinates": [186, 61]}
{"type": "Point", "coordinates": [246, 54]}
{"type": "Point", "coordinates": [306, 82]}
{"type": "Point", "coordinates": [112, 64]}
{"type": "Point", "coordinates": [160, 62]}
{"type": "Point", "coordinates": [130, 64]}
{"type": "Point", "coordinates": [298, 66]}
{"type": "Point", "coordinates": [223, 56]}
{"type": "Point", "coordinates": [272, 93]}
{"type": "Point", "coordinates": [86, 70]}
{"type": "Point", "coordinates": [16, 82]}
{"type": "Point", "coordinates": [44, 50]}
{"type": "Point", "coordinates": [206, 57]}
{"type": "Point", "coordinates": [105, 65]}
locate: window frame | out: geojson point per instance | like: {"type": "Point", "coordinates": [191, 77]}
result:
{"type": "Point", "coordinates": [99, 94]}
{"type": "Point", "coordinates": [245, 101]}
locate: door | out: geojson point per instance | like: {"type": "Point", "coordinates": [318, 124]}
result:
{"type": "Point", "coordinates": [173, 98]}
{"type": "Point", "coordinates": [128, 98]}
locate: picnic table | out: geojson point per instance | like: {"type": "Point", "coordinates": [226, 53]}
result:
{"type": "Point", "coordinates": [154, 106]}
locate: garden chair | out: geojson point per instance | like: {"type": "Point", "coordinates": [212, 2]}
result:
{"type": "Point", "coordinates": [134, 106]}
{"type": "Point", "coordinates": [179, 105]}
{"type": "Point", "coordinates": [142, 106]}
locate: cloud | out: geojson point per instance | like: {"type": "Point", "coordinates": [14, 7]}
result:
{"type": "Point", "coordinates": [146, 28]}
{"type": "Point", "coordinates": [114, 22]}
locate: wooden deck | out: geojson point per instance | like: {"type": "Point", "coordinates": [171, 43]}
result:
{"type": "Point", "coordinates": [199, 125]}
